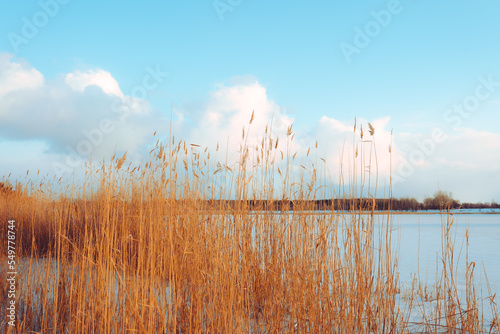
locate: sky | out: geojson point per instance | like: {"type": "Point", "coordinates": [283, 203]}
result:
{"type": "Point", "coordinates": [87, 76]}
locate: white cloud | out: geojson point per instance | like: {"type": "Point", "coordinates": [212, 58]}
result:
{"type": "Point", "coordinates": [61, 113]}
{"type": "Point", "coordinates": [222, 118]}
{"type": "Point", "coordinates": [229, 108]}
{"type": "Point", "coordinates": [334, 124]}
{"type": "Point", "coordinates": [81, 80]}
{"type": "Point", "coordinates": [17, 76]}
{"type": "Point", "coordinates": [338, 145]}
{"type": "Point", "coordinates": [467, 163]}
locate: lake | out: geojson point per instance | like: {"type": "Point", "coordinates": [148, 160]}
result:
{"type": "Point", "coordinates": [417, 243]}
{"type": "Point", "coordinates": [421, 244]}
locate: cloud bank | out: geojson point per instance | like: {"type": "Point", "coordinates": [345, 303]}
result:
{"type": "Point", "coordinates": [70, 114]}
{"type": "Point", "coordinates": [62, 118]}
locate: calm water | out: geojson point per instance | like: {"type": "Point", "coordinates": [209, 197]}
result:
{"type": "Point", "coordinates": [419, 238]}
{"type": "Point", "coordinates": [417, 241]}
{"type": "Point", "coordinates": [421, 246]}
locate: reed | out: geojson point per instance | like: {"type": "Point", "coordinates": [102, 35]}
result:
{"type": "Point", "coordinates": [153, 247]}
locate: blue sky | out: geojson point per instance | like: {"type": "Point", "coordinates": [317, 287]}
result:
{"type": "Point", "coordinates": [418, 63]}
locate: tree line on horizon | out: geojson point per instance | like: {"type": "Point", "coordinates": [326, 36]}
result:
{"type": "Point", "coordinates": [441, 200]}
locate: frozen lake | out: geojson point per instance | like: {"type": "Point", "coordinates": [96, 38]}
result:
{"type": "Point", "coordinates": [417, 243]}
{"type": "Point", "coordinates": [420, 241]}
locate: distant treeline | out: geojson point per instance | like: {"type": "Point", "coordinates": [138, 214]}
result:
{"type": "Point", "coordinates": [439, 201]}
{"type": "Point", "coordinates": [296, 205]}
{"type": "Point", "coordinates": [381, 204]}
{"type": "Point", "coordinates": [492, 205]}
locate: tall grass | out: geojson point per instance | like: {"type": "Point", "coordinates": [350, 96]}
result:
{"type": "Point", "coordinates": [154, 248]}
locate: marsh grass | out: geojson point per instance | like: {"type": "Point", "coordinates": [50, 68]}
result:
{"type": "Point", "coordinates": [153, 248]}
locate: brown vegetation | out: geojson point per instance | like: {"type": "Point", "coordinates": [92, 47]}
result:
{"type": "Point", "coordinates": [133, 249]}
